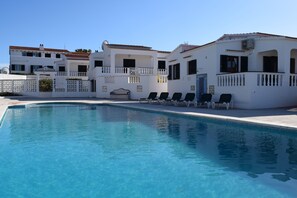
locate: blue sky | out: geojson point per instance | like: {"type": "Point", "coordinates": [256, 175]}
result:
{"type": "Point", "coordinates": [161, 24]}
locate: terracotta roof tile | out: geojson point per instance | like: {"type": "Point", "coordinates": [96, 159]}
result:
{"type": "Point", "coordinates": [77, 56]}
{"type": "Point", "coordinates": [132, 47]}
{"type": "Point", "coordinates": [36, 49]}
{"type": "Point", "coordinates": [253, 34]}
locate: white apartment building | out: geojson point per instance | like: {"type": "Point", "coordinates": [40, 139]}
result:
{"type": "Point", "coordinates": [25, 60]}
{"type": "Point", "coordinates": [139, 69]}
{"type": "Point", "coordinates": [258, 69]}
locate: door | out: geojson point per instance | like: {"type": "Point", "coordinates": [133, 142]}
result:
{"type": "Point", "coordinates": [201, 85]}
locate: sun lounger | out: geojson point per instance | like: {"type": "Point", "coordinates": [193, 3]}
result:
{"type": "Point", "coordinates": [204, 99]}
{"type": "Point", "coordinates": [175, 98]}
{"type": "Point", "coordinates": [225, 99]}
{"type": "Point", "coordinates": [152, 96]}
{"type": "Point", "coordinates": [189, 98]}
{"type": "Point", "coordinates": [163, 97]}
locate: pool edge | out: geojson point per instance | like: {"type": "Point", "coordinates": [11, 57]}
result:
{"type": "Point", "coordinates": [4, 108]}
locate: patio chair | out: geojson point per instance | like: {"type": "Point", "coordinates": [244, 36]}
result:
{"type": "Point", "coordinates": [225, 99]}
{"type": "Point", "coordinates": [163, 97]}
{"type": "Point", "coordinates": [175, 98]}
{"type": "Point", "coordinates": [204, 99]}
{"type": "Point", "coordinates": [152, 96]}
{"type": "Point", "coordinates": [189, 98]}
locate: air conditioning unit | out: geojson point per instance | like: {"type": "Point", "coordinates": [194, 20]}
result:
{"type": "Point", "coordinates": [248, 44]}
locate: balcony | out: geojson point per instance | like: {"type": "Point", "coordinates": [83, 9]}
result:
{"type": "Point", "coordinates": [259, 79]}
{"type": "Point", "coordinates": [256, 90]}
{"type": "Point", "coordinates": [106, 70]}
{"type": "Point", "coordinates": [79, 74]}
{"type": "Point", "coordinates": [72, 74]}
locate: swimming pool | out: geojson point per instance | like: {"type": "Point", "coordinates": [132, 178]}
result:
{"type": "Point", "coordinates": [68, 150]}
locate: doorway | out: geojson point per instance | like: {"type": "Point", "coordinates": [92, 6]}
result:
{"type": "Point", "coordinates": [270, 64]}
{"type": "Point", "coordinates": [201, 85]}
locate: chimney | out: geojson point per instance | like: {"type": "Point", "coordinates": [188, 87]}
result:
{"type": "Point", "coordinates": [41, 47]}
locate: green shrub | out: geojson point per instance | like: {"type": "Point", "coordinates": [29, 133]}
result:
{"type": "Point", "coordinates": [46, 85]}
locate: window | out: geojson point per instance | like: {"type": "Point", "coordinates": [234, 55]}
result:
{"type": "Point", "coordinates": [161, 64]}
{"type": "Point", "coordinates": [37, 54]}
{"type": "Point", "coordinates": [243, 64]}
{"type": "Point", "coordinates": [34, 68]}
{"type": "Point", "coordinates": [176, 72]}
{"type": "Point", "coordinates": [98, 63]}
{"type": "Point", "coordinates": [29, 54]}
{"type": "Point", "coordinates": [18, 67]}
{"type": "Point", "coordinates": [61, 69]}
{"type": "Point", "coordinates": [50, 66]}
{"type": "Point", "coordinates": [58, 55]}
{"type": "Point", "coordinates": [292, 66]}
{"type": "Point", "coordinates": [170, 72]}
{"type": "Point", "coordinates": [270, 64]}
{"type": "Point", "coordinates": [129, 63]}
{"type": "Point", "coordinates": [47, 55]}
{"type": "Point", "coordinates": [192, 67]}
{"type": "Point", "coordinates": [82, 68]}
{"type": "Point", "coordinates": [229, 64]}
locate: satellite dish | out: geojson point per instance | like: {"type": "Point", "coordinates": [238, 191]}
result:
{"type": "Point", "coordinates": [103, 44]}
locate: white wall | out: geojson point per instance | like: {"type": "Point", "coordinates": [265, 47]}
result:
{"type": "Point", "coordinates": [140, 60]}
{"type": "Point", "coordinates": [17, 58]}
{"type": "Point", "coordinates": [12, 77]}
{"type": "Point", "coordinates": [148, 83]}
{"type": "Point", "coordinates": [206, 64]}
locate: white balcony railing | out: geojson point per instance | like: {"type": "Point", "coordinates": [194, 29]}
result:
{"type": "Point", "coordinates": [260, 79]}
{"type": "Point", "coordinates": [61, 74]}
{"type": "Point", "coordinates": [131, 70]}
{"type": "Point", "coordinates": [71, 73]}
{"type": "Point", "coordinates": [122, 70]}
{"type": "Point", "coordinates": [162, 72]}
{"type": "Point", "coordinates": [231, 80]}
{"type": "Point", "coordinates": [145, 70]}
{"type": "Point", "coordinates": [105, 70]}
{"type": "Point", "coordinates": [269, 79]}
{"type": "Point", "coordinates": [133, 79]}
{"type": "Point", "coordinates": [293, 80]}
{"type": "Point", "coordinates": [75, 73]}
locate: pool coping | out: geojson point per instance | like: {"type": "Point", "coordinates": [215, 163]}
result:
{"type": "Point", "coordinates": [210, 114]}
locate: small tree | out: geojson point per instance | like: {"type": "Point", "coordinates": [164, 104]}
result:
{"type": "Point", "coordinates": [46, 85]}
{"type": "Point", "coordinates": [84, 50]}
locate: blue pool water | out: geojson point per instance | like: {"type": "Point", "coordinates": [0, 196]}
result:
{"type": "Point", "coordinates": [70, 150]}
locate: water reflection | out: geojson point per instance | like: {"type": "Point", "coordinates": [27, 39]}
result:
{"type": "Point", "coordinates": [254, 150]}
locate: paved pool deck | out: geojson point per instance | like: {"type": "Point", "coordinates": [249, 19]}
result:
{"type": "Point", "coordinates": [281, 117]}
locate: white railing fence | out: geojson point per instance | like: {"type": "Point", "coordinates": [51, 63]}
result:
{"type": "Point", "coordinates": [133, 79]}
{"type": "Point", "coordinates": [105, 70]}
{"type": "Point", "coordinates": [162, 72]}
{"type": "Point", "coordinates": [31, 86]}
{"type": "Point", "coordinates": [122, 70]}
{"type": "Point", "coordinates": [293, 80]}
{"type": "Point", "coordinates": [259, 79]}
{"type": "Point", "coordinates": [145, 70]}
{"type": "Point", "coordinates": [75, 73]}
{"type": "Point", "coordinates": [61, 74]}
{"type": "Point", "coordinates": [269, 79]}
{"type": "Point", "coordinates": [231, 80]}
{"type": "Point", "coordinates": [162, 79]}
